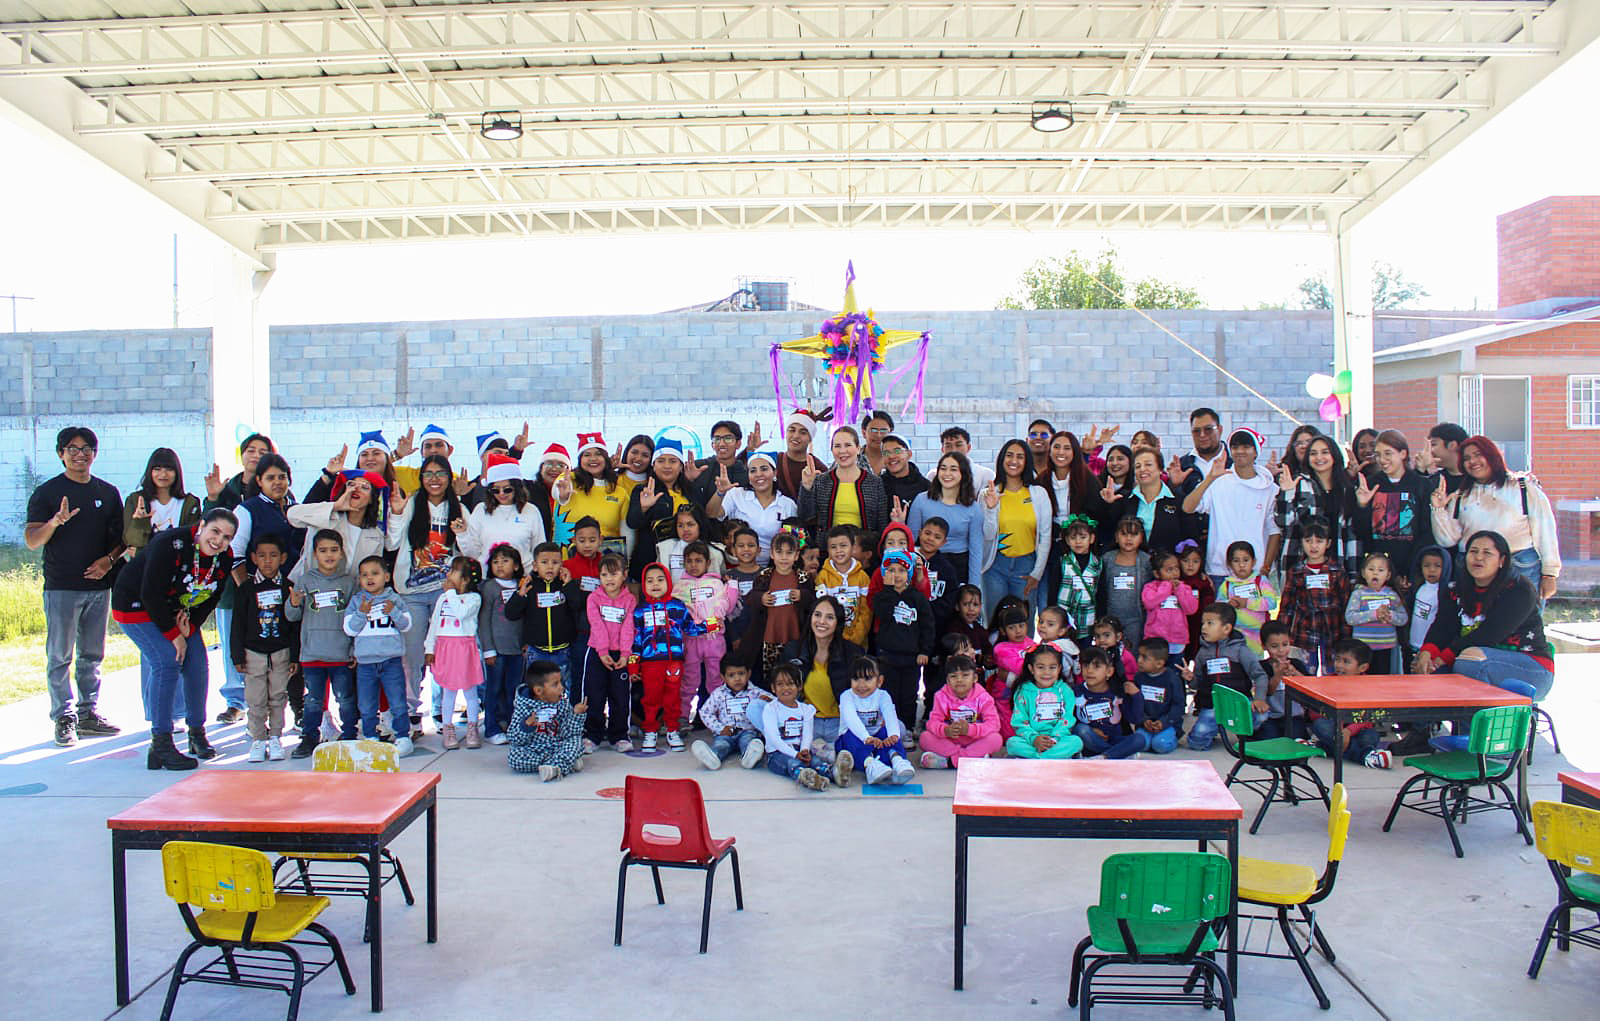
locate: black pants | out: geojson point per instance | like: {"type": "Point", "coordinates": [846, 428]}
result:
{"type": "Point", "coordinates": [607, 693]}
{"type": "Point", "coordinates": [900, 674]}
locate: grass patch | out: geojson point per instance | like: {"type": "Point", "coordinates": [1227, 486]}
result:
{"type": "Point", "coordinates": [22, 664]}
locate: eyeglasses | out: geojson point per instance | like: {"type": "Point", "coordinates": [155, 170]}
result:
{"type": "Point", "coordinates": [879, 430]}
{"type": "Point", "coordinates": [1038, 434]}
{"type": "Point", "coordinates": [502, 490]}
{"type": "Point", "coordinates": [79, 450]}
{"type": "Point", "coordinates": [725, 438]}
{"type": "Point", "coordinates": [1201, 430]}
{"type": "Point", "coordinates": [434, 476]}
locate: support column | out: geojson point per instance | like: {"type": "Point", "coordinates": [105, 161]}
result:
{"type": "Point", "coordinates": [241, 401]}
{"type": "Point", "coordinates": [1352, 325]}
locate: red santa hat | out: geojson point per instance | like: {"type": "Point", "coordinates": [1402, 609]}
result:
{"type": "Point", "coordinates": [592, 441]}
{"type": "Point", "coordinates": [501, 468]}
{"type": "Point", "coordinates": [556, 452]}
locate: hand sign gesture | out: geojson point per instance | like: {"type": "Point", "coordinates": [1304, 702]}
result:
{"type": "Point", "coordinates": [65, 514]}
{"type": "Point", "coordinates": [1364, 492]}
{"type": "Point", "coordinates": [214, 482]}
{"type": "Point", "coordinates": [398, 504]}
{"type": "Point", "coordinates": [808, 475]}
{"type": "Point", "coordinates": [693, 468]}
{"type": "Point", "coordinates": [462, 483]}
{"type": "Point", "coordinates": [1108, 492]}
{"type": "Point", "coordinates": [525, 585]}
{"type": "Point", "coordinates": [564, 488]}
{"type": "Point", "coordinates": [458, 525]}
{"type": "Point", "coordinates": [1219, 468]}
{"type": "Point", "coordinates": [1285, 478]}
{"type": "Point", "coordinates": [139, 509]}
{"type": "Point", "coordinates": [1176, 472]}
{"type": "Point", "coordinates": [991, 496]}
{"type": "Point", "coordinates": [336, 462]}
{"type": "Point", "coordinates": [898, 511]}
{"type": "Point", "coordinates": [753, 442]}
{"type": "Point", "coordinates": [406, 445]}
{"type": "Point", "coordinates": [724, 483]}
{"type": "Point", "coordinates": [648, 496]}
{"type": "Point", "coordinates": [1441, 494]}
{"type": "Point", "coordinates": [343, 503]}
{"type": "Point", "coordinates": [522, 438]}
{"type": "Point", "coordinates": [296, 597]}
{"type": "Point", "coordinates": [616, 459]}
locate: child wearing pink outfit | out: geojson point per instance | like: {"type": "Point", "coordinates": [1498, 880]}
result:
{"type": "Point", "coordinates": [1168, 602]}
{"type": "Point", "coordinates": [708, 598]}
{"type": "Point", "coordinates": [964, 722]}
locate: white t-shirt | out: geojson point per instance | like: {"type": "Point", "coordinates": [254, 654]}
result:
{"type": "Point", "coordinates": [164, 515]}
{"type": "Point", "coordinates": [741, 503]}
{"type": "Point", "coordinates": [1423, 612]}
{"type": "Point", "coordinates": [863, 717]}
{"type": "Point", "coordinates": [787, 729]}
{"type": "Point", "coordinates": [1240, 509]}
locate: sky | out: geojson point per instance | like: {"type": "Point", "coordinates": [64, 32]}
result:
{"type": "Point", "coordinates": [94, 251]}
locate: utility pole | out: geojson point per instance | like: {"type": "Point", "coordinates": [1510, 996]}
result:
{"type": "Point", "coordinates": [14, 298]}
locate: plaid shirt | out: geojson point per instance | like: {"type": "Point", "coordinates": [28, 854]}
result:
{"type": "Point", "coordinates": [1315, 616]}
{"type": "Point", "coordinates": [1306, 501]}
{"type": "Point", "coordinates": [1079, 589]}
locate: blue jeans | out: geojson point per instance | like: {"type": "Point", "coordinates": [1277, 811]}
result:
{"type": "Point", "coordinates": [420, 606]}
{"type": "Point", "coordinates": [387, 677]}
{"type": "Point", "coordinates": [1513, 671]}
{"type": "Point", "coordinates": [1204, 730]}
{"type": "Point", "coordinates": [789, 766]}
{"type": "Point", "coordinates": [1121, 748]}
{"type": "Point", "coordinates": [166, 674]}
{"type": "Point", "coordinates": [343, 682]}
{"type": "Point", "coordinates": [1008, 576]}
{"type": "Point", "coordinates": [1355, 750]}
{"type": "Point", "coordinates": [499, 690]}
{"type": "Point", "coordinates": [75, 622]}
{"type": "Point", "coordinates": [1161, 742]}
{"type": "Point", "coordinates": [861, 751]}
{"type": "Point", "coordinates": [147, 690]}
{"type": "Point", "coordinates": [232, 690]}
{"type": "Point", "coordinates": [726, 746]}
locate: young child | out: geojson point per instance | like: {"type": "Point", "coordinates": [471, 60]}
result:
{"type": "Point", "coordinates": [869, 732]}
{"type": "Point", "coordinates": [842, 577]}
{"type": "Point", "coordinates": [377, 619]}
{"type": "Point", "coordinates": [1427, 589]}
{"type": "Point", "coordinates": [581, 570]}
{"type": "Point", "coordinates": [1375, 613]}
{"type": "Point", "coordinates": [777, 603]}
{"type": "Point", "coordinates": [1252, 595]}
{"type": "Point", "coordinates": [1359, 741]}
{"type": "Point", "coordinates": [1016, 641]}
{"type": "Point", "coordinates": [584, 562]}
{"type": "Point", "coordinates": [1108, 717]}
{"type": "Point", "coordinates": [317, 605]}
{"type": "Point", "coordinates": [1124, 575]}
{"type": "Point", "coordinates": [905, 636]}
{"type": "Point", "coordinates": [605, 673]}
{"type": "Point", "coordinates": [810, 559]}
{"type": "Point", "coordinates": [1054, 629]}
{"type": "Point", "coordinates": [710, 600]}
{"type": "Point", "coordinates": [726, 714]}
{"type": "Point", "coordinates": [1223, 659]}
{"type": "Point", "coordinates": [786, 731]}
{"type": "Point", "coordinates": [1192, 572]}
{"type": "Point", "coordinates": [1080, 577]}
{"type": "Point", "coordinates": [263, 644]}
{"type": "Point", "coordinates": [686, 523]}
{"type": "Point", "coordinates": [942, 580]}
{"type": "Point", "coordinates": [897, 538]}
{"type": "Point", "coordinates": [1280, 662]}
{"type": "Point", "coordinates": [1161, 687]}
{"type": "Point", "coordinates": [541, 604]}
{"type": "Point", "coordinates": [1314, 598]}
{"type": "Point", "coordinates": [1042, 717]}
{"type": "Point", "coordinates": [1107, 632]}
{"type": "Point", "coordinates": [500, 637]}
{"type": "Point", "coordinates": [745, 568]}
{"type": "Point", "coordinates": [660, 626]}
{"type": "Point", "coordinates": [967, 622]}
{"type": "Point", "coordinates": [546, 730]}
{"type": "Point", "coordinates": [1168, 601]}
{"type": "Point", "coordinates": [964, 722]}
{"type": "Point", "coordinates": [451, 648]}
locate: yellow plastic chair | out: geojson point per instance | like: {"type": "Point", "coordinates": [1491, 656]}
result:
{"type": "Point", "coordinates": [250, 922]}
{"type": "Point", "coordinates": [1569, 838]}
{"type": "Point", "coordinates": [363, 756]}
{"type": "Point", "coordinates": [1281, 886]}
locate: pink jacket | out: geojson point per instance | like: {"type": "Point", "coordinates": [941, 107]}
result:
{"type": "Point", "coordinates": [611, 631]}
{"type": "Point", "coordinates": [1164, 618]}
{"type": "Point", "coordinates": [1008, 656]}
{"type": "Point", "coordinates": [719, 601]}
{"type": "Point", "coordinates": [978, 708]}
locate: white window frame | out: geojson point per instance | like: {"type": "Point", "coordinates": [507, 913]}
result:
{"type": "Point", "coordinates": [1471, 388]}
{"type": "Point", "coordinates": [1593, 382]}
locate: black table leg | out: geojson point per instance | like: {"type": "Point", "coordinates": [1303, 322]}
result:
{"type": "Point", "coordinates": [1233, 911]}
{"type": "Point", "coordinates": [119, 913]}
{"type": "Point", "coordinates": [1339, 723]}
{"type": "Point", "coordinates": [433, 870]}
{"type": "Point", "coordinates": [961, 898]}
{"type": "Point", "coordinates": [375, 919]}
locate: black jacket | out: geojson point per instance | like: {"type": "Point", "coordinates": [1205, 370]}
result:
{"type": "Point", "coordinates": [550, 627]}
{"type": "Point", "coordinates": [905, 623]}
{"type": "Point", "coordinates": [259, 621]}
{"type": "Point", "coordinates": [842, 655]}
{"type": "Point", "coordinates": [167, 576]}
{"type": "Point", "coordinates": [906, 487]}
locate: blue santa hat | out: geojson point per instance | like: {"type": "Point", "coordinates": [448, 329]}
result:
{"type": "Point", "coordinates": [488, 440]}
{"type": "Point", "coordinates": [667, 445]}
{"type": "Point", "coordinates": [432, 430]}
{"type": "Point", "coordinates": [373, 441]}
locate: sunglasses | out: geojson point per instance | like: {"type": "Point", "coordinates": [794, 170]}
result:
{"type": "Point", "coordinates": [502, 490]}
{"type": "Point", "coordinates": [1038, 435]}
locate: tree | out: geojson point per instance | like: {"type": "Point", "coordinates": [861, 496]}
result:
{"type": "Point", "coordinates": [1071, 281]}
{"type": "Point", "coordinates": [1390, 289]}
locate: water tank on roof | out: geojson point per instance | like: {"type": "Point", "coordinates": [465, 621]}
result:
{"type": "Point", "coordinates": [771, 295]}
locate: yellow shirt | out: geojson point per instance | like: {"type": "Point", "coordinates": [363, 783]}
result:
{"type": "Point", "coordinates": [819, 692]}
{"type": "Point", "coordinates": [846, 504]}
{"type": "Point", "coordinates": [407, 478]}
{"type": "Point", "coordinates": [1018, 526]}
{"type": "Point", "coordinates": [606, 506]}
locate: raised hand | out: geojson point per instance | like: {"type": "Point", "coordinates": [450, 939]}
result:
{"type": "Point", "coordinates": [458, 525]}
{"type": "Point", "coordinates": [649, 495]}
{"type": "Point", "coordinates": [522, 438]}
{"type": "Point", "coordinates": [406, 445]}
{"type": "Point", "coordinates": [397, 505]}
{"type": "Point", "coordinates": [214, 482]}
{"type": "Point", "coordinates": [525, 585]}
{"type": "Point", "coordinates": [1441, 494]}
{"type": "Point", "coordinates": [296, 597]}
{"type": "Point", "coordinates": [564, 487]}
{"type": "Point", "coordinates": [808, 476]}
{"type": "Point", "coordinates": [139, 509]}
{"type": "Point", "coordinates": [898, 511]}
{"type": "Point", "coordinates": [462, 483]}
{"type": "Point", "coordinates": [1176, 472]}
{"type": "Point", "coordinates": [1364, 491]}
{"type": "Point", "coordinates": [724, 483]}
{"type": "Point", "coordinates": [753, 441]}
{"type": "Point", "coordinates": [1285, 478]}
{"type": "Point", "coordinates": [366, 606]}
{"type": "Point", "coordinates": [65, 514]}
{"type": "Point", "coordinates": [1108, 492]}
{"type": "Point", "coordinates": [336, 462]}
{"type": "Point", "coordinates": [693, 468]}
{"type": "Point", "coordinates": [616, 459]}
{"type": "Point", "coordinates": [343, 503]}
{"type": "Point", "coordinates": [1219, 468]}
{"type": "Point", "coordinates": [991, 496]}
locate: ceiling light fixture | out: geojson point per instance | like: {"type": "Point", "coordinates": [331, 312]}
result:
{"type": "Point", "coordinates": [501, 125]}
{"type": "Point", "coordinates": [1051, 117]}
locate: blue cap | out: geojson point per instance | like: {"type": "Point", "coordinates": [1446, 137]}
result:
{"type": "Point", "coordinates": [485, 440]}
{"type": "Point", "coordinates": [667, 445]}
{"type": "Point", "coordinates": [432, 430]}
{"type": "Point", "coordinates": [373, 441]}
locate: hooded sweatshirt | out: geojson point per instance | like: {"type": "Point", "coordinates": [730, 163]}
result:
{"type": "Point", "coordinates": [850, 588]}
{"type": "Point", "coordinates": [1399, 520]}
{"type": "Point", "coordinates": [1239, 509]}
{"type": "Point", "coordinates": [1231, 664]}
{"type": "Point", "coordinates": [324, 600]}
{"type": "Point", "coordinates": [546, 612]}
{"type": "Point", "coordinates": [1043, 712]}
{"type": "Point", "coordinates": [661, 625]}
{"type": "Point", "coordinates": [378, 635]}
{"type": "Point", "coordinates": [1167, 605]}
{"type": "Point", "coordinates": [977, 710]}
{"type": "Point", "coordinates": [1424, 597]}
{"type": "Point", "coordinates": [611, 620]}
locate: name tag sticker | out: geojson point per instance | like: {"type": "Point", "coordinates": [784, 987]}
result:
{"type": "Point", "coordinates": [745, 587]}
{"type": "Point", "coordinates": [1219, 665]}
{"type": "Point", "coordinates": [1123, 582]}
{"type": "Point", "coordinates": [1246, 592]}
{"type": "Point", "coordinates": [325, 600]}
{"type": "Point", "coordinates": [589, 584]}
{"type": "Point", "coordinates": [700, 595]}
{"type": "Point", "coordinates": [1169, 603]}
{"type": "Point", "coordinates": [1047, 708]}
{"type": "Point", "coordinates": [904, 614]}
{"type": "Point", "coordinates": [1316, 581]}
{"type": "Point", "coordinates": [548, 599]}
{"type": "Point", "coordinates": [783, 597]}
{"type": "Point", "coordinates": [612, 614]}
{"type": "Point", "coordinates": [269, 597]}
{"type": "Point", "coordinates": [1095, 711]}
{"type": "Point", "coordinates": [1153, 692]}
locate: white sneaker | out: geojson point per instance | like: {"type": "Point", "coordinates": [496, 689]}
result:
{"type": "Point", "coordinates": [330, 732]}
{"type": "Point", "coordinates": [499, 738]}
{"type": "Point", "coordinates": [624, 746]}
{"type": "Point", "coordinates": [876, 771]}
{"type": "Point", "coordinates": [933, 761]}
{"type": "Point", "coordinates": [753, 753]}
{"type": "Point", "coordinates": [547, 772]}
{"type": "Point", "coordinates": [274, 749]}
{"type": "Point", "coordinates": [404, 746]}
{"type": "Point", "coordinates": [650, 741]}
{"type": "Point", "coordinates": [902, 771]}
{"type": "Point", "coordinates": [844, 765]}
{"type": "Point", "coordinates": [675, 740]}
{"type": "Point", "coordinates": [577, 766]}
{"type": "Point", "coordinates": [588, 746]}
{"type": "Point", "coordinates": [385, 724]}
{"type": "Point", "coordinates": [705, 756]}
{"type": "Point", "coordinates": [258, 751]}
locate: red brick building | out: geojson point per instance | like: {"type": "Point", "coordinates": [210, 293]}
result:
{"type": "Point", "coordinates": [1531, 383]}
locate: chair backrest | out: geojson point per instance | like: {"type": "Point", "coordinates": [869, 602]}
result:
{"type": "Point", "coordinates": [1233, 711]}
{"type": "Point", "coordinates": [217, 877]}
{"type": "Point", "coordinates": [1568, 835]}
{"type": "Point", "coordinates": [1165, 886]}
{"type": "Point", "coordinates": [1501, 730]}
{"type": "Point", "coordinates": [651, 805]}
{"type": "Point", "coordinates": [1338, 821]}
{"type": "Point", "coordinates": [364, 756]}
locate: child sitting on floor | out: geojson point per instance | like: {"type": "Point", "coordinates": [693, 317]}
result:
{"type": "Point", "coordinates": [964, 722]}
{"type": "Point", "coordinates": [546, 729]}
{"type": "Point", "coordinates": [1043, 714]}
{"type": "Point", "coordinates": [726, 715]}
{"type": "Point", "coordinates": [1108, 636]}
{"type": "Point", "coordinates": [1161, 687]}
{"type": "Point", "coordinates": [1224, 659]}
{"type": "Point", "coordinates": [786, 731]}
{"type": "Point", "coordinates": [1107, 714]}
{"type": "Point", "coordinates": [869, 729]}
{"type": "Point", "coordinates": [1358, 741]}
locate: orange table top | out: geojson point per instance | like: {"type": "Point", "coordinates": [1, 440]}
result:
{"type": "Point", "coordinates": [1589, 783]}
{"type": "Point", "coordinates": [1093, 789]}
{"type": "Point", "coordinates": [279, 802]}
{"type": "Point", "coordinates": [1400, 691]}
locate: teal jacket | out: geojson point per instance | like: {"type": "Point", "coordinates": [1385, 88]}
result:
{"type": "Point", "coordinates": [1025, 711]}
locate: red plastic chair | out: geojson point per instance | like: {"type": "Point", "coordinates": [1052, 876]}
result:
{"type": "Point", "coordinates": [675, 804]}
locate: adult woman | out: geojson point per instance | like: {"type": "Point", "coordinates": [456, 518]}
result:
{"type": "Point", "coordinates": [824, 659]}
{"type": "Point", "coordinates": [358, 511]}
{"type": "Point", "coordinates": [758, 503]}
{"type": "Point", "coordinates": [161, 599]}
{"type": "Point", "coordinates": [593, 491]}
{"type": "Point", "coordinates": [653, 505]}
{"type": "Point", "coordinates": [951, 496]}
{"type": "Point", "coordinates": [1116, 479]}
{"type": "Point", "coordinates": [506, 518]}
{"type": "Point", "coordinates": [1017, 522]}
{"type": "Point", "coordinates": [158, 504]}
{"type": "Point", "coordinates": [876, 426]}
{"type": "Point", "coordinates": [633, 467]}
{"type": "Point", "coordinates": [1363, 447]}
{"type": "Point", "coordinates": [1319, 490]}
{"type": "Point", "coordinates": [1514, 506]}
{"type": "Point", "coordinates": [372, 455]}
{"type": "Point", "coordinates": [229, 494]}
{"type": "Point", "coordinates": [423, 533]}
{"type": "Point", "coordinates": [1069, 481]}
{"type": "Point", "coordinates": [1155, 505]}
{"type": "Point", "coordinates": [1294, 455]}
{"type": "Point", "coordinates": [846, 494]}
{"type": "Point", "coordinates": [1489, 626]}
{"type": "Point", "coordinates": [1392, 506]}
{"type": "Point", "coordinates": [541, 489]}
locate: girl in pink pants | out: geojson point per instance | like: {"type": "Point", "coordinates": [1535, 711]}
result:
{"type": "Point", "coordinates": [710, 600]}
{"type": "Point", "coordinates": [964, 723]}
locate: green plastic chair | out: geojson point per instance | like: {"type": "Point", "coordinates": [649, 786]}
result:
{"type": "Point", "coordinates": [1569, 839]}
{"type": "Point", "coordinates": [1160, 908]}
{"type": "Point", "coordinates": [1279, 756]}
{"type": "Point", "coordinates": [1449, 777]}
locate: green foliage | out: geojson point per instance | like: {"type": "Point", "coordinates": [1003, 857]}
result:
{"type": "Point", "coordinates": [1072, 281]}
{"type": "Point", "coordinates": [21, 603]}
{"type": "Point", "coordinates": [1390, 289]}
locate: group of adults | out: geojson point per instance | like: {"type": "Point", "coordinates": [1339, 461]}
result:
{"type": "Point", "coordinates": [173, 556]}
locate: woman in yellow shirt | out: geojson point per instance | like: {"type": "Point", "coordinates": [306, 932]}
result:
{"type": "Point", "coordinates": [824, 659]}
{"type": "Point", "coordinates": [592, 492]}
{"type": "Point", "coordinates": [1016, 529]}
{"type": "Point", "coordinates": [653, 505]}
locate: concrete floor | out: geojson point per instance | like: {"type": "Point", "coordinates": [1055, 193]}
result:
{"type": "Point", "coordinates": [848, 898]}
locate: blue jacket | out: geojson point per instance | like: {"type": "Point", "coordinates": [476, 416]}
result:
{"type": "Point", "coordinates": [1168, 708]}
{"type": "Point", "coordinates": [659, 629]}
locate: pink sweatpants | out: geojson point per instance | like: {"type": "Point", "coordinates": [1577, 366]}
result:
{"type": "Point", "coordinates": [701, 650]}
{"type": "Point", "coordinates": [959, 748]}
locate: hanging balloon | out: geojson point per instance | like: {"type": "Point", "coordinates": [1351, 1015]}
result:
{"type": "Point", "coordinates": [1319, 385]}
{"type": "Point", "coordinates": [1332, 408]}
{"type": "Point", "coordinates": [1343, 383]}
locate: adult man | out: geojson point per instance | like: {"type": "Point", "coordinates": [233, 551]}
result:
{"type": "Point", "coordinates": [1444, 450]}
{"type": "Point", "coordinates": [1187, 472]}
{"type": "Point", "coordinates": [1239, 503]}
{"type": "Point", "coordinates": [704, 472]}
{"type": "Point", "coordinates": [901, 480]}
{"type": "Point", "coordinates": [956, 440]}
{"type": "Point", "coordinates": [77, 519]}
{"type": "Point", "coordinates": [797, 452]}
{"type": "Point", "coordinates": [434, 441]}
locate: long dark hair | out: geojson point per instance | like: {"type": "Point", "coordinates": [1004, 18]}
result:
{"type": "Point", "coordinates": [162, 457]}
{"type": "Point", "coordinates": [808, 640]}
{"type": "Point", "coordinates": [583, 481]}
{"type": "Point", "coordinates": [965, 493]}
{"type": "Point", "coordinates": [1466, 590]}
{"type": "Point", "coordinates": [1341, 478]}
{"type": "Point", "coordinates": [1078, 479]}
{"type": "Point", "coordinates": [1126, 485]}
{"type": "Point", "coordinates": [1026, 478]}
{"type": "Point", "coordinates": [1289, 459]}
{"type": "Point", "coordinates": [417, 527]}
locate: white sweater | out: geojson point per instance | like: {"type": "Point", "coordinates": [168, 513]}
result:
{"type": "Point", "coordinates": [359, 543]}
{"type": "Point", "coordinates": [863, 716]}
{"type": "Point", "coordinates": [455, 615]}
{"type": "Point", "coordinates": [488, 528]}
{"type": "Point", "coordinates": [1499, 509]}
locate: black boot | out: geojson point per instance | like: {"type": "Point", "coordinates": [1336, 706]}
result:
{"type": "Point", "coordinates": [308, 745]}
{"type": "Point", "coordinates": [199, 747]}
{"type": "Point", "coordinates": [165, 755]}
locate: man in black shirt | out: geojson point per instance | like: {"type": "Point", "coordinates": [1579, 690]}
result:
{"type": "Point", "coordinates": [77, 519]}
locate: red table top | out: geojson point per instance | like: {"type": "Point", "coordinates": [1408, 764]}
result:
{"type": "Point", "coordinates": [1589, 783]}
{"type": "Point", "coordinates": [1093, 789]}
{"type": "Point", "coordinates": [1400, 691]}
{"type": "Point", "coordinates": [279, 802]}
